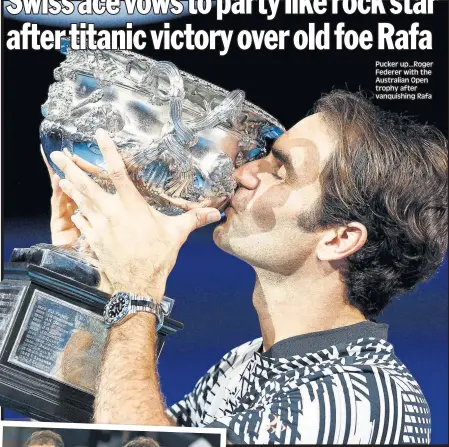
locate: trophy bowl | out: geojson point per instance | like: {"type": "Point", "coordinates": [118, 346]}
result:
{"type": "Point", "coordinates": [180, 137]}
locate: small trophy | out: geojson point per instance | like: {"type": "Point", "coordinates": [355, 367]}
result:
{"type": "Point", "coordinates": [180, 138]}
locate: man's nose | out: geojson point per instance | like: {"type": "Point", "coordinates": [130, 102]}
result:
{"type": "Point", "coordinates": [246, 175]}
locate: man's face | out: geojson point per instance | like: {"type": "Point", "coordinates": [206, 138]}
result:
{"type": "Point", "coordinates": [274, 194]}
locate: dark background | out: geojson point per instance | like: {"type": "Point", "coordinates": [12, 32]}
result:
{"type": "Point", "coordinates": [78, 437]}
{"type": "Point", "coordinates": [213, 290]}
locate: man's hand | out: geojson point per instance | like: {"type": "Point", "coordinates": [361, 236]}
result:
{"type": "Point", "coordinates": [63, 230]}
{"type": "Point", "coordinates": [136, 246]}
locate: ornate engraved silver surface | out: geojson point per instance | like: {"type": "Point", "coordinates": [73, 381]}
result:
{"type": "Point", "coordinates": [180, 137]}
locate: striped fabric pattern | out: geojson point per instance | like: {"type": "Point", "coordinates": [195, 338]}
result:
{"type": "Point", "coordinates": [351, 393]}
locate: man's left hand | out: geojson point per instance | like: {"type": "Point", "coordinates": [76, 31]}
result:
{"type": "Point", "coordinates": [136, 245]}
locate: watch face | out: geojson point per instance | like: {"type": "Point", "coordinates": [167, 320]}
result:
{"type": "Point", "coordinates": [117, 308]}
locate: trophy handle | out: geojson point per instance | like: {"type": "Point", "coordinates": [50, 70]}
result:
{"type": "Point", "coordinates": [175, 95]}
{"type": "Point", "coordinates": [184, 136]}
{"type": "Point", "coordinates": [228, 109]}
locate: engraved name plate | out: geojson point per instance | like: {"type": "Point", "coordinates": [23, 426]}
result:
{"type": "Point", "coordinates": [60, 341]}
{"type": "Point", "coordinates": [11, 294]}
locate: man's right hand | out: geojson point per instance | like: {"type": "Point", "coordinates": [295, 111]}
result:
{"type": "Point", "coordinates": [63, 231]}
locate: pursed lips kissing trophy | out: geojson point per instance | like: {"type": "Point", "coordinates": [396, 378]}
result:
{"type": "Point", "coordinates": [181, 139]}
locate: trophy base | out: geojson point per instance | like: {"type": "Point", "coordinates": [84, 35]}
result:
{"type": "Point", "coordinates": [52, 335]}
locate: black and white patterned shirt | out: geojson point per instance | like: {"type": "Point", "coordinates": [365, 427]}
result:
{"type": "Point", "coordinates": [342, 386]}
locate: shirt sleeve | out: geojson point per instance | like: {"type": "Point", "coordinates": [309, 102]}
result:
{"type": "Point", "coordinates": [190, 411]}
{"type": "Point", "coordinates": [337, 409]}
{"type": "Point", "coordinates": [183, 412]}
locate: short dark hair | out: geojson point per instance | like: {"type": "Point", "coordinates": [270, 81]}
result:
{"type": "Point", "coordinates": [390, 174]}
{"type": "Point", "coordinates": [142, 442]}
{"type": "Point", "coordinates": [45, 437]}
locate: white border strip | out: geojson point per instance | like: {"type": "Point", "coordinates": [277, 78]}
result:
{"type": "Point", "coordinates": [141, 428]}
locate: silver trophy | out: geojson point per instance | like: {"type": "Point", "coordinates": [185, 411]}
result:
{"type": "Point", "coordinates": [180, 138]}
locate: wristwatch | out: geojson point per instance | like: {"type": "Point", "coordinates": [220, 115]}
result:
{"type": "Point", "coordinates": [123, 305]}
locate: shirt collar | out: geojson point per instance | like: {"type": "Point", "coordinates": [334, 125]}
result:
{"type": "Point", "coordinates": [317, 341]}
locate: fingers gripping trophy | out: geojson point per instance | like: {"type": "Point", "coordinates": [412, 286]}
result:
{"type": "Point", "coordinates": [180, 139]}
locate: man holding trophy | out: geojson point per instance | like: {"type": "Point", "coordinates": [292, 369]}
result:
{"type": "Point", "coordinates": [337, 215]}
